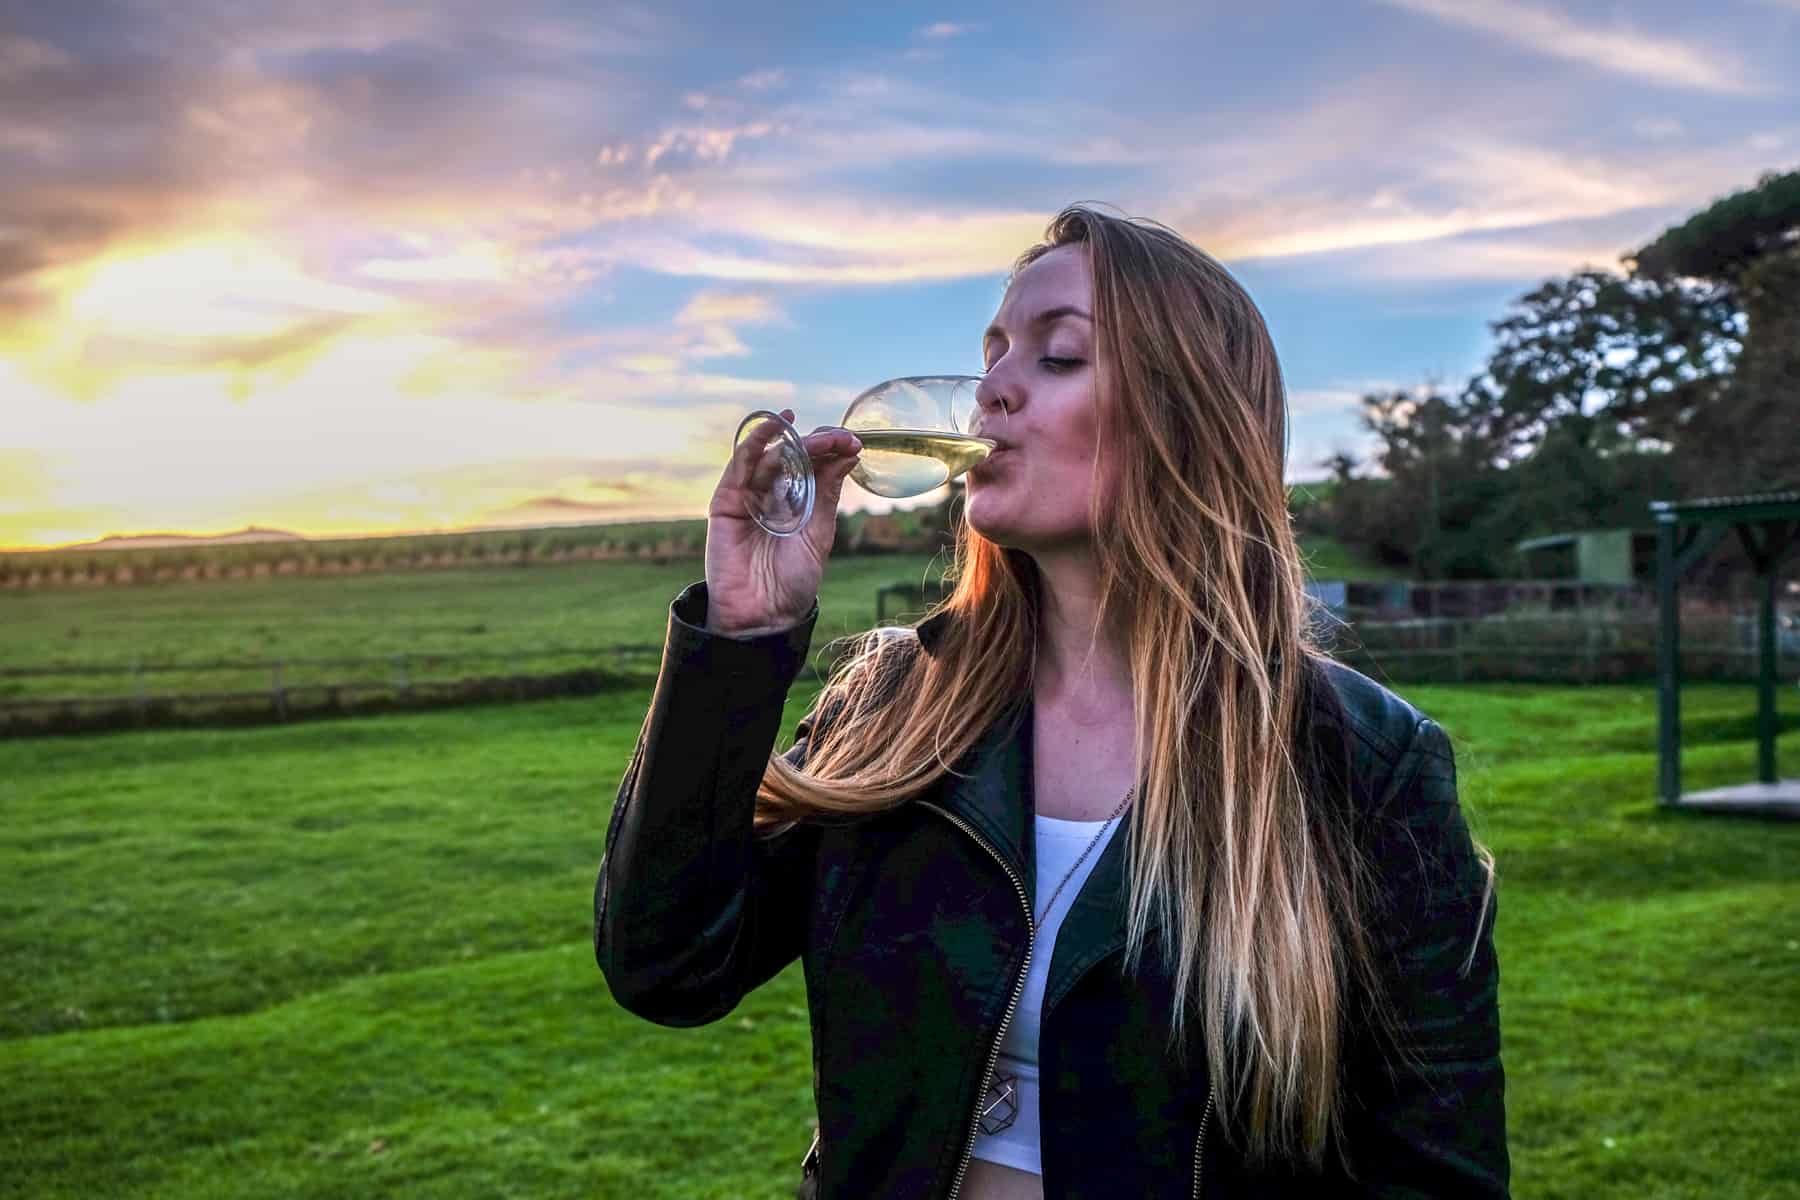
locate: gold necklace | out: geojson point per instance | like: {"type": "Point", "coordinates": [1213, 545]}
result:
{"type": "Point", "coordinates": [1000, 1107]}
{"type": "Point", "coordinates": [1095, 841]}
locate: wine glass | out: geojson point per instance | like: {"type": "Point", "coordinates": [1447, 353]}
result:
{"type": "Point", "coordinates": [914, 436]}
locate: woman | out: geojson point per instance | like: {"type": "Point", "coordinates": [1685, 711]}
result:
{"type": "Point", "coordinates": [1105, 881]}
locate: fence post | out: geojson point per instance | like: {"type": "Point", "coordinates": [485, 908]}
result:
{"type": "Point", "coordinates": [278, 691]}
{"type": "Point", "coordinates": [403, 676]}
{"type": "Point", "coordinates": [1457, 644]}
{"type": "Point", "coordinates": [138, 700]}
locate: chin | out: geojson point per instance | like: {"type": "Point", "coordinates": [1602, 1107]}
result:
{"type": "Point", "coordinates": [988, 518]}
{"type": "Point", "coordinates": [1004, 531]}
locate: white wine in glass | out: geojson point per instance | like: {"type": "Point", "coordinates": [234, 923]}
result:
{"type": "Point", "coordinates": [913, 432]}
{"type": "Point", "coordinates": [910, 462]}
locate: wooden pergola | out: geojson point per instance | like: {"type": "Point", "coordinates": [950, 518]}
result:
{"type": "Point", "coordinates": [1686, 531]}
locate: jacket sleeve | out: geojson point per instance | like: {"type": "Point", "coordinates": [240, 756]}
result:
{"type": "Point", "coordinates": [692, 910]}
{"type": "Point", "coordinates": [1427, 1115]}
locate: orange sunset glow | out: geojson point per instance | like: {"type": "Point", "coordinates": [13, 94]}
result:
{"type": "Point", "coordinates": [399, 269]}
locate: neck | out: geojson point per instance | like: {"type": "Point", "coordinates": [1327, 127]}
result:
{"type": "Point", "coordinates": [1080, 665]}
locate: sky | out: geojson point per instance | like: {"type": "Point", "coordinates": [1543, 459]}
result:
{"type": "Point", "coordinates": [338, 267]}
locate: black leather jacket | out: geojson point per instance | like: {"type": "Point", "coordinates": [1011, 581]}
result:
{"type": "Point", "coordinates": [913, 930]}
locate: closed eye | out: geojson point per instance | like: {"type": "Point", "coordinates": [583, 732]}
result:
{"type": "Point", "coordinates": [1059, 366]}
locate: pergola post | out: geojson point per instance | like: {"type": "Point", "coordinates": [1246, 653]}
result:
{"type": "Point", "coordinates": [1668, 663]}
{"type": "Point", "coordinates": [1766, 727]}
{"type": "Point", "coordinates": [1765, 553]}
{"type": "Point", "coordinates": [1686, 532]}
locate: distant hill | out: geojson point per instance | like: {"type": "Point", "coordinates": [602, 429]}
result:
{"type": "Point", "coordinates": [161, 541]}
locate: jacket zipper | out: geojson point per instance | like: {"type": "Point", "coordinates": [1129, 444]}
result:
{"type": "Point", "coordinates": [993, 1059]}
{"type": "Point", "coordinates": [1212, 1096]}
{"type": "Point", "coordinates": [810, 1164]}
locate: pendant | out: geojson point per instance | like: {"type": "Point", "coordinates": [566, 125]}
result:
{"type": "Point", "coordinates": [1001, 1107]}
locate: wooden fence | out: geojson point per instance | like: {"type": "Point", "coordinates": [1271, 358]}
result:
{"type": "Point", "coordinates": [1552, 649]}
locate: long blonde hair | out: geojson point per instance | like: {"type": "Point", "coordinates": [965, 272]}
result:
{"type": "Point", "coordinates": [1254, 890]}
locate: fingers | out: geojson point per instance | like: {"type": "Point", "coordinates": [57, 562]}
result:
{"type": "Point", "coordinates": [762, 455]}
{"type": "Point", "coordinates": [828, 442]}
{"type": "Point", "coordinates": [756, 460]}
{"type": "Point", "coordinates": [829, 474]}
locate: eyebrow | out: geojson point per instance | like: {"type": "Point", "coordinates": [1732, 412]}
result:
{"type": "Point", "coordinates": [1047, 317]}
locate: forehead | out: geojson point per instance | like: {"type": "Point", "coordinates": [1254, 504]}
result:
{"type": "Point", "coordinates": [1058, 278]}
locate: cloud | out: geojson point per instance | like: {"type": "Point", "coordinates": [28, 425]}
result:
{"type": "Point", "coordinates": [311, 450]}
{"type": "Point", "coordinates": [704, 143]}
{"type": "Point", "coordinates": [734, 307]}
{"type": "Point", "coordinates": [1467, 260]}
{"type": "Point", "coordinates": [746, 238]}
{"type": "Point", "coordinates": [764, 80]}
{"type": "Point", "coordinates": [558, 229]}
{"type": "Point", "coordinates": [477, 263]}
{"type": "Point", "coordinates": [1323, 422]}
{"type": "Point", "coordinates": [1662, 60]}
{"type": "Point", "coordinates": [552, 510]}
{"type": "Point", "coordinates": [23, 56]}
{"type": "Point", "coordinates": [1312, 402]}
{"type": "Point", "coordinates": [1496, 172]}
{"type": "Point", "coordinates": [1472, 185]}
{"type": "Point", "coordinates": [706, 327]}
{"type": "Point", "coordinates": [705, 324]}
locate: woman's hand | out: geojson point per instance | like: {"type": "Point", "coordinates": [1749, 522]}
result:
{"type": "Point", "coordinates": [757, 582]}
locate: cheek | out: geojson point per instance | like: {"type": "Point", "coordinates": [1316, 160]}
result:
{"type": "Point", "coordinates": [1079, 450]}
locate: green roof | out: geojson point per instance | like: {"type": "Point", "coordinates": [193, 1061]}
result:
{"type": "Point", "coordinates": [1768, 506]}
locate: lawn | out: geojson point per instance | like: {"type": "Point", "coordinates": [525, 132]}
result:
{"type": "Point", "coordinates": [501, 611]}
{"type": "Point", "coordinates": [1328, 558]}
{"type": "Point", "coordinates": [351, 958]}
{"type": "Point", "coordinates": [498, 611]}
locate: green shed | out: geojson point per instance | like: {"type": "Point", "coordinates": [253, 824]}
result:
{"type": "Point", "coordinates": [1592, 556]}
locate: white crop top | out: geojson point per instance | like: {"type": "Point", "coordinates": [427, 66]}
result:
{"type": "Point", "coordinates": [1059, 844]}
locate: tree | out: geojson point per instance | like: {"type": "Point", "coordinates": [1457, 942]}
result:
{"type": "Point", "coordinates": [1315, 505]}
{"type": "Point", "coordinates": [1747, 245]}
{"type": "Point", "coordinates": [1432, 511]}
{"type": "Point", "coordinates": [1609, 362]}
{"type": "Point", "coordinates": [1732, 237]}
{"type": "Point", "coordinates": [1603, 392]}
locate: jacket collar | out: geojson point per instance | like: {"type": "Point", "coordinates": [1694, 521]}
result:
{"type": "Point", "coordinates": [994, 796]}
{"type": "Point", "coordinates": [931, 631]}
{"type": "Point", "coordinates": [990, 788]}
{"type": "Point", "coordinates": [1095, 926]}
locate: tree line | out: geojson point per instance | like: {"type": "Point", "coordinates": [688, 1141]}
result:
{"type": "Point", "coordinates": [1674, 378]}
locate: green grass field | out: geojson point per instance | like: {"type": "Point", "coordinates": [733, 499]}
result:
{"type": "Point", "coordinates": [495, 610]}
{"type": "Point", "coordinates": [351, 958]}
{"type": "Point", "coordinates": [1328, 558]}
{"type": "Point", "coordinates": [487, 610]}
